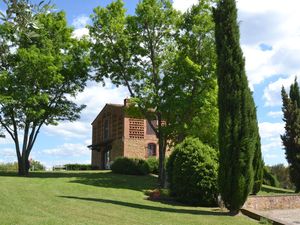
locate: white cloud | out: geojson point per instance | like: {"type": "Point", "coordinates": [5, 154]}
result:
{"type": "Point", "coordinates": [273, 145]}
{"type": "Point", "coordinates": [271, 130]}
{"type": "Point", "coordinates": [273, 114]}
{"type": "Point", "coordinates": [275, 23]}
{"type": "Point", "coordinates": [80, 24]}
{"type": "Point", "coordinates": [69, 130]}
{"type": "Point", "coordinates": [95, 96]}
{"type": "Point", "coordinates": [81, 21]}
{"type": "Point", "coordinates": [68, 150]}
{"type": "Point", "coordinates": [7, 155]}
{"type": "Point", "coordinates": [80, 32]}
{"type": "Point", "coordinates": [183, 5]}
{"type": "Point", "coordinates": [272, 93]}
{"type": "Point", "coordinates": [7, 140]}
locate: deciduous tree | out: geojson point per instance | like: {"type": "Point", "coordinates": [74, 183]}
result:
{"type": "Point", "coordinates": [146, 53]}
{"type": "Point", "coordinates": [41, 68]}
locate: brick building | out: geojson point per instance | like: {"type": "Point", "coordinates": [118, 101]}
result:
{"type": "Point", "coordinates": [115, 134]}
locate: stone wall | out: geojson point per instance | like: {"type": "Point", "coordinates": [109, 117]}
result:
{"type": "Point", "coordinates": [273, 202]}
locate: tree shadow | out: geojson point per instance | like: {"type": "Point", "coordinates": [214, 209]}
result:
{"type": "Point", "coordinates": [104, 179]}
{"type": "Point", "coordinates": [149, 207]}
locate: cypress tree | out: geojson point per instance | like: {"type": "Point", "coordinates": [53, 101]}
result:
{"type": "Point", "coordinates": [258, 166]}
{"type": "Point", "coordinates": [291, 137]}
{"type": "Point", "coordinates": [238, 130]}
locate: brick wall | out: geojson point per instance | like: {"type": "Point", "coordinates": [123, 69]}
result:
{"type": "Point", "coordinates": [117, 149]}
{"type": "Point", "coordinates": [273, 202]}
{"type": "Point", "coordinates": [96, 159]}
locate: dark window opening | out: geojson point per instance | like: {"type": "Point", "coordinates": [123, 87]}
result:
{"type": "Point", "coordinates": [151, 149]}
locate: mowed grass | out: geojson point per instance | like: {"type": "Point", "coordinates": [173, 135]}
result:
{"type": "Point", "coordinates": [269, 190]}
{"type": "Point", "coordinates": [95, 198]}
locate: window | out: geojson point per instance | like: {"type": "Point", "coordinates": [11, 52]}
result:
{"type": "Point", "coordinates": [151, 149]}
{"type": "Point", "coordinates": [106, 129]}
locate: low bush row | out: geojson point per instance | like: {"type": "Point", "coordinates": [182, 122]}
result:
{"type": "Point", "coordinates": [78, 167]}
{"type": "Point", "coordinates": [130, 166]}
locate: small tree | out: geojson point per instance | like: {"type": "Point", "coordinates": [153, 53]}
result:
{"type": "Point", "coordinates": [290, 139]}
{"type": "Point", "coordinates": [238, 130]}
{"type": "Point", "coordinates": [41, 67]}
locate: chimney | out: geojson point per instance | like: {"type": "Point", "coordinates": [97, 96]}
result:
{"type": "Point", "coordinates": [126, 101]}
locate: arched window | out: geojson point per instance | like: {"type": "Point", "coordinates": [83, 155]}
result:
{"type": "Point", "coordinates": [151, 149]}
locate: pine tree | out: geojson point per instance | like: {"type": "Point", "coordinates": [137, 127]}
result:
{"type": "Point", "coordinates": [291, 137]}
{"type": "Point", "coordinates": [238, 130]}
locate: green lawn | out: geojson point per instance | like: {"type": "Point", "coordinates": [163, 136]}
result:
{"type": "Point", "coordinates": [95, 198]}
{"type": "Point", "coordinates": [269, 190]}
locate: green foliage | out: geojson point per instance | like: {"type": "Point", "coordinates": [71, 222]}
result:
{"type": "Point", "coordinates": [258, 167]}
{"type": "Point", "coordinates": [41, 67]}
{"type": "Point", "coordinates": [130, 166]}
{"type": "Point", "coordinates": [238, 130]}
{"type": "Point", "coordinates": [290, 139]}
{"type": "Point", "coordinates": [170, 167]}
{"type": "Point", "coordinates": [166, 60]}
{"type": "Point", "coordinates": [9, 166]}
{"type": "Point", "coordinates": [36, 166]}
{"type": "Point", "coordinates": [193, 168]}
{"type": "Point", "coordinates": [282, 174]}
{"type": "Point", "coordinates": [78, 167]}
{"type": "Point", "coordinates": [153, 165]}
{"type": "Point", "coordinates": [269, 178]}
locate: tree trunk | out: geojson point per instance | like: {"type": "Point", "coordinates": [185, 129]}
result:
{"type": "Point", "coordinates": [234, 212]}
{"type": "Point", "coordinates": [162, 170]}
{"type": "Point", "coordinates": [23, 164]}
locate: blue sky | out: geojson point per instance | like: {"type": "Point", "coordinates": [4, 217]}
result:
{"type": "Point", "coordinates": [270, 37]}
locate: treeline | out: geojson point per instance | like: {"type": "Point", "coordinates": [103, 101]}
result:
{"type": "Point", "coordinates": [13, 166]}
{"type": "Point", "coordinates": [278, 176]}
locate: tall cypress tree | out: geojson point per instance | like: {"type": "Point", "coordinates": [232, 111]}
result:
{"type": "Point", "coordinates": [291, 137]}
{"type": "Point", "coordinates": [238, 130]}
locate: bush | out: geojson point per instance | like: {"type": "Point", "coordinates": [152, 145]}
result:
{"type": "Point", "coordinates": [130, 166]}
{"type": "Point", "coordinates": [192, 170]}
{"type": "Point", "coordinates": [269, 178]}
{"type": "Point", "coordinates": [153, 164]}
{"type": "Point", "coordinates": [78, 167]}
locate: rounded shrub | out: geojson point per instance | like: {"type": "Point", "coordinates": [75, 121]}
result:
{"type": "Point", "coordinates": [153, 164]}
{"type": "Point", "coordinates": [192, 171]}
{"type": "Point", "coordinates": [130, 166]}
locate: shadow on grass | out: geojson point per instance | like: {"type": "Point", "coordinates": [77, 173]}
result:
{"type": "Point", "coordinates": [104, 179]}
{"type": "Point", "coordinates": [148, 207]}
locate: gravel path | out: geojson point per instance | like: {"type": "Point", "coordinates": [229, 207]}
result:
{"type": "Point", "coordinates": [289, 216]}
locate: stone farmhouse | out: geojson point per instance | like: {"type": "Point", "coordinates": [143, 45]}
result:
{"type": "Point", "coordinates": [116, 134]}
